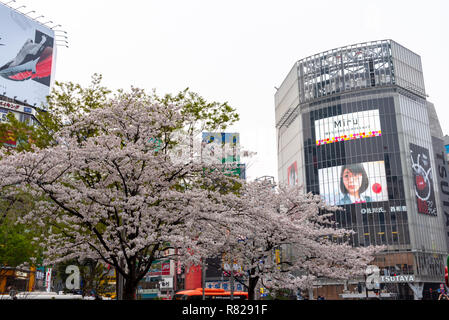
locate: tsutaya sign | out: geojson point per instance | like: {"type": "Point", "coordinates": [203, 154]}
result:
{"type": "Point", "coordinates": [374, 278]}
{"type": "Point", "coordinates": [398, 279]}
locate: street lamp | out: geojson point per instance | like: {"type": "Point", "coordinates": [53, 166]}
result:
{"type": "Point", "coordinates": [10, 1]}
{"type": "Point", "coordinates": [22, 6]}
{"type": "Point", "coordinates": [34, 11]}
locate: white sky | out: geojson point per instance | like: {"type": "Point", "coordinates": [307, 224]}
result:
{"type": "Point", "coordinates": [237, 50]}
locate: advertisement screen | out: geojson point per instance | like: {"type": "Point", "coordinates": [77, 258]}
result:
{"type": "Point", "coordinates": [356, 125]}
{"type": "Point", "coordinates": [26, 57]}
{"type": "Point", "coordinates": [292, 174]}
{"type": "Point", "coordinates": [354, 183]}
{"type": "Point", "coordinates": [423, 180]}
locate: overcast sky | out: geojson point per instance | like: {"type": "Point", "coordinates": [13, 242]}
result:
{"type": "Point", "coordinates": [236, 51]}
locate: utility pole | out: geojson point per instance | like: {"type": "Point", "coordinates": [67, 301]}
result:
{"type": "Point", "coordinates": [120, 282]}
{"type": "Point", "coordinates": [203, 277]}
{"type": "Point", "coordinates": [232, 280]}
{"type": "Point", "coordinates": [175, 277]}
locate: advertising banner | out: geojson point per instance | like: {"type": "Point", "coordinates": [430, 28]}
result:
{"type": "Point", "coordinates": [159, 268]}
{"type": "Point", "coordinates": [423, 180]}
{"type": "Point", "coordinates": [48, 279]}
{"type": "Point", "coordinates": [356, 125]}
{"type": "Point", "coordinates": [26, 57]}
{"type": "Point", "coordinates": [292, 174]}
{"type": "Point", "coordinates": [442, 177]}
{"type": "Point", "coordinates": [354, 183]}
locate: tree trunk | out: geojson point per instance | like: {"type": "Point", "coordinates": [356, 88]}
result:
{"type": "Point", "coordinates": [252, 283]}
{"type": "Point", "coordinates": [129, 290]}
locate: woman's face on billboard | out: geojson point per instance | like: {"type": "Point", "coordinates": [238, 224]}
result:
{"type": "Point", "coordinates": [352, 182]}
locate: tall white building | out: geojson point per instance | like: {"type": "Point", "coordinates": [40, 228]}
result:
{"type": "Point", "coordinates": [354, 125]}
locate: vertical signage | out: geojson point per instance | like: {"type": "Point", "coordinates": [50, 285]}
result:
{"type": "Point", "coordinates": [292, 174]}
{"type": "Point", "coordinates": [48, 279]}
{"type": "Point", "coordinates": [442, 180]}
{"type": "Point", "coordinates": [423, 180]}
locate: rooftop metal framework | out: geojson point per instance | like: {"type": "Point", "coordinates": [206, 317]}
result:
{"type": "Point", "coordinates": [375, 64]}
{"type": "Point", "coordinates": [61, 39]}
{"type": "Point", "coordinates": [343, 69]}
{"type": "Point", "coordinates": [358, 66]}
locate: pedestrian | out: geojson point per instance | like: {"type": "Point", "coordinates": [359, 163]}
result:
{"type": "Point", "coordinates": [443, 296]}
{"type": "Point", "coordinates": [12, 292]}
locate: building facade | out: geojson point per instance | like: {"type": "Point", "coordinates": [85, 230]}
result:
{"type": "Point", "coordinates": [224, 148]}
{"type": "Point", "coordinates": [354, 125]}
{"type": "Point", "coordinates": [22, 112]}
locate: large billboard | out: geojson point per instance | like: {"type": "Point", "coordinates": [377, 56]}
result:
{"type": "Point", "coordinates": [423, 180]}
{"type": "Point", "coordinates": [356, 125]}
{"type": "Point", "coordinates": [354, 183]}
{"type": "Point", "coordinates": [27, 51]}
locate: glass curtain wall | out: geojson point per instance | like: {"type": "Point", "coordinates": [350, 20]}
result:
{"type": "Point", "coordinates": [362, 153]}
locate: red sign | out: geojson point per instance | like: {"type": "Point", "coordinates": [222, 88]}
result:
{"type": "Point", "coordinates": [9, 105]}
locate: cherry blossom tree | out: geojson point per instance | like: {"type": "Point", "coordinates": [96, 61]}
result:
{"type": "Point", "coordinates": [287, 219]}
{"type": "Point", "coordinates": [121, 180]}
{"type": "Point", "coordinates": [116, 186]}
